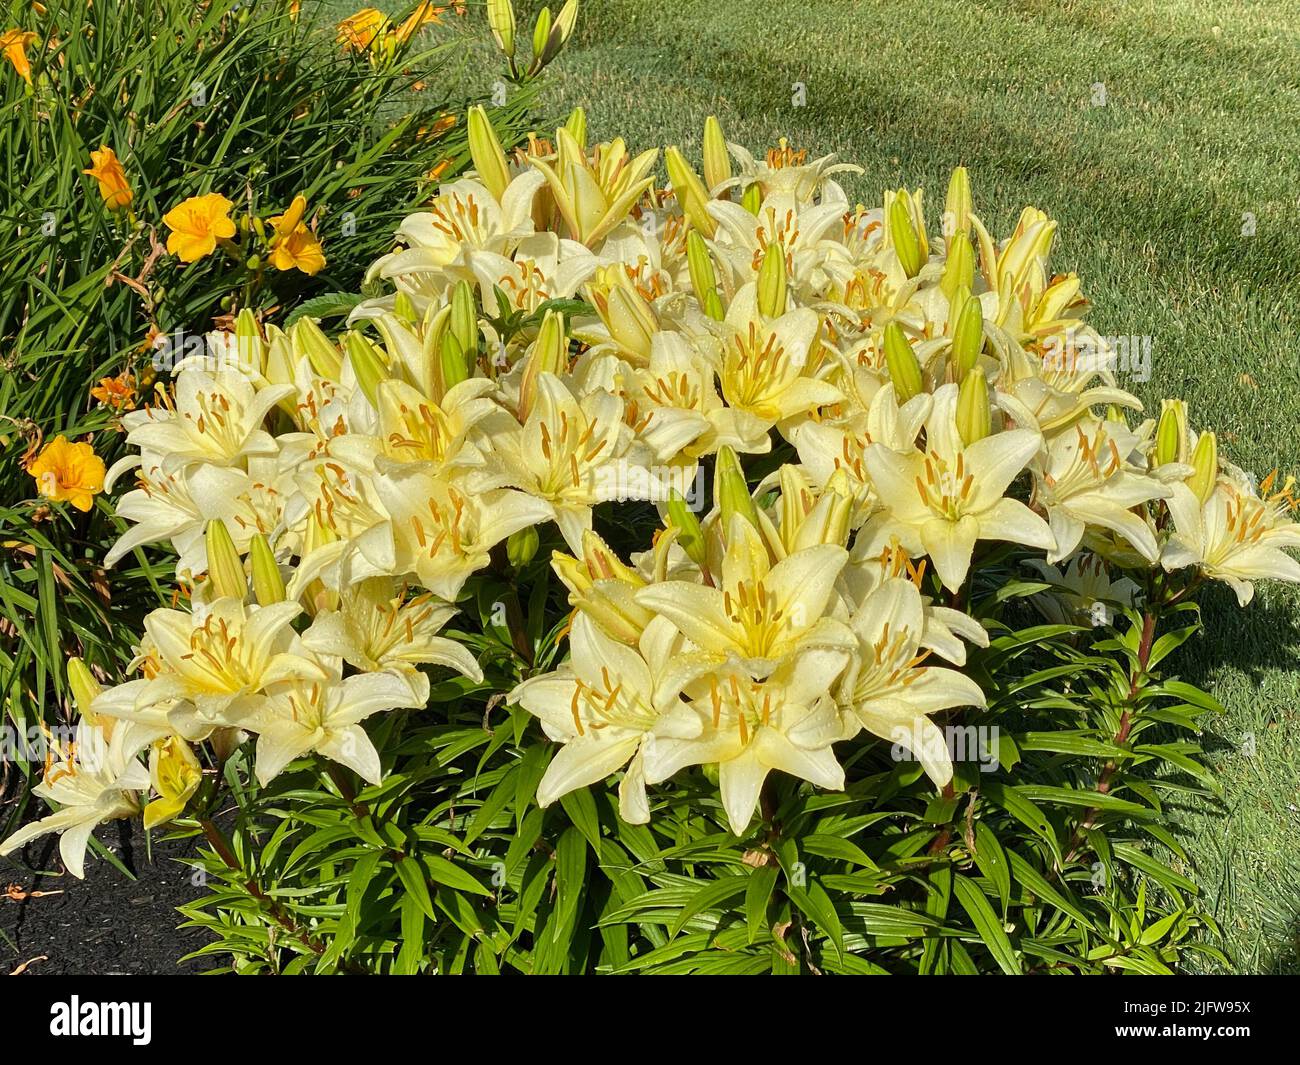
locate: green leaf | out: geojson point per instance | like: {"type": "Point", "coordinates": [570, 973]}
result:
{"type": "Point", "coordinates": [986, 924]}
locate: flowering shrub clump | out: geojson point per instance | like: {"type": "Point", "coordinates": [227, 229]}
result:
{"type": "Point", "coordinates": [801, 461]}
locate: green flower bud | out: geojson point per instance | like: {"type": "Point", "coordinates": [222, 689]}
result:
{"type": "Point", "coordinates": [690, 191]}
{"type": "Point", "coordinates": [904, 370]}
{"type": "Point", "coordinates": [959, 268]}
{"type": "Point", "coordinates": [731, 489]}
{"type": "Point", "coordinates": [310, 340]}
{"type": "Point", "coordinates": [268, 584]}
{"type": "Point", "coordinates": [576, 124]}
{"type": "Point", "coordinates": [485, 149]}
{"type": "Point", "coordinates": [464, 317]}
{"type": "Point", "coordinates": [717, 161]}
{"type": "Point", "coordinates": [367, 365]}
{"type": "Point", "coordinates": [689, 533]}
{"type": "Point", "coordinates": [772, 282]}
{"type": "Point", "coordinates": [1171, 433]}
{"type": "Point", "coordinates": [700, 264]}
{"type": "Point", "coordinates": [907, 246]}
{"type": "Point", "coordinates": [501, 20]}
{"type": "Point", "coordinates": [973, 416]}
{"type": "Point", "coordinates": [1205, 462]}
{"type": "Point", "coordinates": [541, 31]}
{"type": "Point", "coordinates": [522, 546]}
{"type": "Point", "coordinates": [752, 200]}
{"type": "Point", "coordinates": [84, 687]}
{"type": "Point", "coordinates": [225, 567]}
{"type": "Point", "coordinates": [967, 337]}
{"type": "Point", "coordinates": [957, 207]}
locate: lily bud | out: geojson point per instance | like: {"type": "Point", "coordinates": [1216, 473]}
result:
{"type": "Point", "coordinates": [772, 282]}
{"type": "Point", "coordinates": [1171, 433]}
{"type": "Point", "coordinates": [959, 269]}
{"type": "Point", "coordinates": [690, 191]}
{"type": "Point", "coordinates": [907, 245]}
{"type": "Point", "coordinates": [973, 418]}
{"type": "Point", "coordinates": [367, 364]}
{"type": "Point", "coordinates": [631, 320]}
{"type": "Point", "coordinates": [752, 200]}
{"type": "Point", "coordinates": [957, 207]}
{"type": "Point", "coordinates": [1205, 461]}
{"type": "Point", "coordinates": [248, 341]}
{"type": "Point", "coordinates": [310, 340]}
{"type": "Point", "coordinates": [731, 489]}
{"type": "Point", "coordinates": [713, 306]}
{"type": "Point", "coordinates": [501, 20]}
{"type": "Point", "coordinates": [700, 265]}
{"type": "Point", "coordinates": [85, 688]}
{"type": "Point", "coordinates": [904, 370]}
{"type": "Point", "coordinates": [464, 317]}
{"type": "Point", "coordinates": [967, 337]}
{"type": "Point", "coordinates": [451, 362]}
{"type": "Point", "coordinates": [689, 533]}
{"type": "Point", "coordinates": [522, 546]}
{"type": "Point", "coordinates": [404, 309]}
{"type": "Point", "coordinates": [225, 567]}
{"type": "Point", "coordinates": [549, 354]}
{"type": "Point", "coordinates": [576, 123]}
{"type": "Point", "coordinates": [268, 584]}
{"type": "Point", "coordinates": [564, 22]}
{"type": "Point", "coordinates": [717, 162]}
{"type": "Point", "coordinates": [485, 149]}
{"type": "Point", "coordinates": [541, 31]}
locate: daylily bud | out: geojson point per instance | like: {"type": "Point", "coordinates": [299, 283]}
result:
{"type": "Point", "coordinates": [717, 162]}
{"type": "Point", "coordinates": [959, 269]}
{"type": "Point", "coordinates": [690, 192]}
{"type": "Point", "coordinates": [904, 370]}
{"type": "Point", "coordinates": [973, 418]}
{"type": "Point", "coordinates": [752, 200]}
{"type": "Point", "coordinates": [1205, 461]}
{"type": "Point", "coordinates": [85, 688]}
{"type": "Point", "coordinates": [541, 31]}
{"type": "Point", "coordinates": [268, 584]}
{"type": "Point", "coordinates": [225, 567]}
{"type": "Point", "coordinates": [1171, 433]}
{"type": "Point", "coordinates": [522, 546]}
{"type": "Point", "coordinates": [772, 282]}
{"type": "Point", "coordinates": [367, 365]}
{"type": "Point", "coordinates": [485, 149]}
{"type": "Point", "coordinates": [957, 207]}
{"type": "Point", "coordinates": [689, 533]}
{"type": "Point", "coordinates": [731, 489]}
{"type": "Point", "coordinates": [907, 245]}
{"type": "Point", "coordinates": [501, 20]}
{"type": "Point", "coordinates": [464, 317]}
{"type": "Point", "coordinates": [310, 340]}
{"type": "Point", "coordinates": [967, 337]}
{"type": "Point", "coordinates": [576, 123]}
{"type": "Point", "coordinates": [700, 265]}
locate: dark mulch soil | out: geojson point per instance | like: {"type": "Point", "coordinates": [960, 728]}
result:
{"type": "Point", "coordinates": [105, 924]}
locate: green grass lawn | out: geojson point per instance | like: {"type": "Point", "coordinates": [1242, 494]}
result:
{"type": "Point", "coordinates": [1154, 189]}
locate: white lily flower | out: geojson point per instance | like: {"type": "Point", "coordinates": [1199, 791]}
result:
{"type": "Point", "coordinates": [886, 689]}
{"type": "Point", "coordinates": [609, 706]}
{"type": "Point", "coordinates": [940, 501]}
{"type": "Point", "coordinates": [787, 721]}
{"type": "Point", "coordinates": [93, 779]}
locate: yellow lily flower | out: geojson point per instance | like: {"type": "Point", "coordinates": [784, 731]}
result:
{"type": "Point", "coordinates": [595, 193]}
{"type": "Point", "coordinates": [175, 774]}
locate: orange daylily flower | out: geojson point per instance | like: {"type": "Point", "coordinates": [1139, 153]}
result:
{"type": "Point", "coordinates": [67, 472]}
{"type": "Point", "coordinates": [106, 169]}
{"type": "Point", "coordinates": [116, 392]}
{"type": "Point", "coordinates": [13, 45]}
{"type": "Point", "coordinates": [361, 30]}
{"type": "Point", "coordinates": [422, 16]}
{"type": "Point", "coordinates": [197, 224]}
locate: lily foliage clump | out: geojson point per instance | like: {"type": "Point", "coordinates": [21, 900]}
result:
{"type": "Point", "coordinates": [717, 577]}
